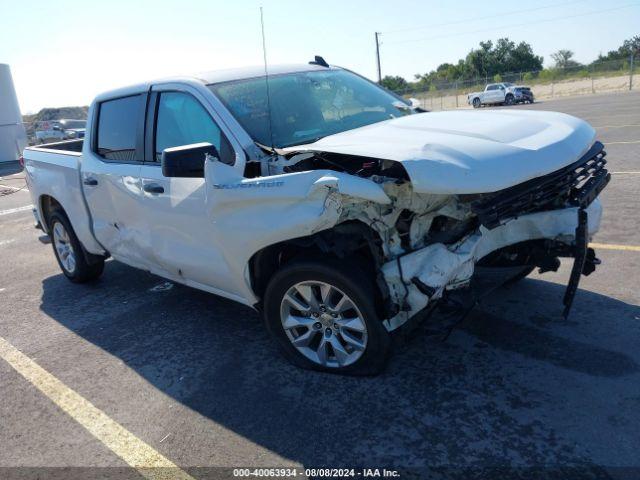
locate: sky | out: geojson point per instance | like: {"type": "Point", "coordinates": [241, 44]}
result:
{"type": "Point", "coordinates": [64, 52]}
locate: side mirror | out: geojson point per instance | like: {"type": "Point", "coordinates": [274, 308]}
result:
{"type": "Point", "coordinates": [415, 103]}
{"type": "Point", "coordinates": [187, 160]}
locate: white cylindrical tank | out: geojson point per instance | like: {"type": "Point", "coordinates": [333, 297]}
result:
{"type": "Point", "coordinates": [13, 137]}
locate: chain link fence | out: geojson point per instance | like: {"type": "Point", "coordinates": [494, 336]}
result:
{"type": "Point", "coordinates": [608, 76]}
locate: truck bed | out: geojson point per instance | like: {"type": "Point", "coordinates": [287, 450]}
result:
{"type": "Point", "coordinates": [53, 171]}
{"type": "Point", "coordinates": [71, 146]}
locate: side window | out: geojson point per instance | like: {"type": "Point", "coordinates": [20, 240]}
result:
{"type": "Point", "coordinates": [117, 128]}
{"type": "Point", "coordinates": [491, 87]}
{"type": "Point", "coordinates": [182, 120]}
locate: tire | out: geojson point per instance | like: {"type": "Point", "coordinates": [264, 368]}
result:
{"type": "Point", "coordinates": [351, 341]}
{"type": "Point", "coordinates": [527, 269]}
{"type": "Point", "coordinates": [476, 103]}
{"type": "Point", "coordinates": [508, 100]}
{"type": "Point", "coordinates": [76, 263]}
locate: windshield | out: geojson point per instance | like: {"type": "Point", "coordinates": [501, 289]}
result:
{"type": "Point", "coordinates": [74, 123]}
{"type": "Point", "coordinates": [307, 106]}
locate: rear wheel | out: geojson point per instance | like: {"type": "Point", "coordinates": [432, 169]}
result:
{"type": "Point", "coordinates": [76, 264]}
{"type": "Point", "coordinates": [476, 103]}
{"type": "Point", "coordinates": [323, 316]}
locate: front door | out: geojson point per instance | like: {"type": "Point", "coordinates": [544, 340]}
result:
{"type": "Point", "coordinates": [179, 238]}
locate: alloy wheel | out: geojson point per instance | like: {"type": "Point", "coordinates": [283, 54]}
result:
{"type": "Point", "coordinates": [64, 249]}
{"type": "Point", "coordinates": [323, 324]}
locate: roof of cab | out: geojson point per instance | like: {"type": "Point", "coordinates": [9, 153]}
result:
{"type": "Point", "coordinates": [216, 76]}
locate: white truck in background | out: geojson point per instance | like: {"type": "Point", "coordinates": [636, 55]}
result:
{"type": "Point", "coordinates": [57, 130]}
{"type": "Point", "coordinates": [500, 93]}
{"type": "Point", "coordinates": [338, 212]}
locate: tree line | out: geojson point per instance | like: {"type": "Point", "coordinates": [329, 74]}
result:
{"type": "Point", "coordinates": [504, 58]}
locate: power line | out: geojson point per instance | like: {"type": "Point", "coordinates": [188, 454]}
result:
{"type": "Point", "coordinates": [514, 25]}
{"type": "Point", "coordinates": [488, 17]}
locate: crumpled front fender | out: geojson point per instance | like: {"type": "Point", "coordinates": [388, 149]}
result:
{"type": "Point", "coordinates": [250, 214]}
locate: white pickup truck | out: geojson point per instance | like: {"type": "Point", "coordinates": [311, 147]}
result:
{"type": "Point", "coordinates": [338, 210]}
{"type": "Point", "coordinates": [56, 130]}
{"type": "Point", "coordinates": [500, 93]}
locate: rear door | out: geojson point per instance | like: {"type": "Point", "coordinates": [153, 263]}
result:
{"type": "Point", "coordinates": [492, 94]}
{"type": "Point", "coordinates": [111, 175]}
{"type": "Point", "coordinates": [179, 237]}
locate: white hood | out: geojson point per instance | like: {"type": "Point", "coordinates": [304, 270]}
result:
{"type": "Point", "coordinates": [468, 151]}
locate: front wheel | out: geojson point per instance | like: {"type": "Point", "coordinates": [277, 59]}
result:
{"type": "Point", "coordinates": [509, 100]}
{"type": "Point", "coordinates": [476, 103]}
{"type": "Point", "coordinates": [323, 316]}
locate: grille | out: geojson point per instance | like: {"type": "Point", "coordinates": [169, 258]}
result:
{"type": "Point", "coordinates": [575, 185]}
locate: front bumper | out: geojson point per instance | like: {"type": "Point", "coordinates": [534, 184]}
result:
{"type": "Point", "coordinates": [561, 206]}
{"type": "Point", "coordinates": [442, 267]}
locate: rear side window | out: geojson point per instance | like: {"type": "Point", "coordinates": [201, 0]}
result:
{"type": "Point", "coordinates": [117, 128]}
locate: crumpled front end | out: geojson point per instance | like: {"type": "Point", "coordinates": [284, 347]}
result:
{"type": "Point", "coordinates": [422, 244]}
{"type": "Point", "coordinates": [530, 224]}
{"type": "Point", "coordinates": [425, 275]}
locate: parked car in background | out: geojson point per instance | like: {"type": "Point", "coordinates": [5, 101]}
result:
{"type": "Point", "coordinates": [500, 93]}
{"type": "Point", "coordinates": [57, 130]}
{"type": "Point", "coordinates": [339, 213]}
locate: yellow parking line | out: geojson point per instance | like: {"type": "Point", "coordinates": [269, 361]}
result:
{"type": "Point", "coordinates": [147, 461]}
{"type": "Point", "coordinates": [611, 246]}
{"type": "Point", "coordinates": [621, 143]}
{"type": "Point", "coordinates": [625, 173]}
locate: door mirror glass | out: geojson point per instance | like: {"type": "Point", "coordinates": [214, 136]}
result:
{"type": "Point", "coordinates": [187, 160]}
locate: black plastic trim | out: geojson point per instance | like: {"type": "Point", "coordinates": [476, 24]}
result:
{"type": "Point", "coordinates": [576, 185]}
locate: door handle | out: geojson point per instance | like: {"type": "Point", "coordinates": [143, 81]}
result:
{"type": "Point", "coordinates": [92, 182]}
{"type": "Point", "coordinates": [153, 188]}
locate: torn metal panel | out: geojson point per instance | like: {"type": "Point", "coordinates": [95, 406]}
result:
{"type": "Point", "coordinates": [263, 211]}
{"type": "Point", "coordinates": [439, 266]}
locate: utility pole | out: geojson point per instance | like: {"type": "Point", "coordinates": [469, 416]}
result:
{"type": "Point", "coordinates": [378, 56]}
{"type": "Point", "coordinates": [631, 70]}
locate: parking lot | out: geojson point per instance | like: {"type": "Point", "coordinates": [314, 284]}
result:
{"type": "Point", "coordinates": [174, 376]}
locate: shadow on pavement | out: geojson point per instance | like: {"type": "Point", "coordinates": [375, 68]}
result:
{"type": "Point", "coordinates": [9, 168]}
{"type": "Point", "coordinates": [512, 388]}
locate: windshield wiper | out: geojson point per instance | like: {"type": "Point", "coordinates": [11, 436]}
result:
{"type": "Point", "coordinates": [270, 150]}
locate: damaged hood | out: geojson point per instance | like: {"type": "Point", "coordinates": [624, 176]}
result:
{"type": "Point", "coordinates": [460, 152]}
